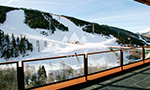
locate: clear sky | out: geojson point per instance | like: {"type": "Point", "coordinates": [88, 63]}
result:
{"type": "Point", "coordinates": [126, 14]}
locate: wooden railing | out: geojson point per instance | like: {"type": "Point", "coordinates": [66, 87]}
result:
{"type": "Point", "coordinates": [30, 68]}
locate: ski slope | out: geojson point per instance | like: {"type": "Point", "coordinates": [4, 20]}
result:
{"type": "Point", "coordinates": [14, 24]}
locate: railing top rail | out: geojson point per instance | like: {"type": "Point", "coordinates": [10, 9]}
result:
{"type": "Point", "coordinates": [102, 52]}
{"type": "Point", "coordinates": [138, 48]}
{"type": "Point", "coordinates": [11, 62]}
{"type": "Point", "coordinates": [120, 48]}
{"type": "Point", "coordinates": [52, 57]}
{"type": "Point", "coordinates": [129, 48]}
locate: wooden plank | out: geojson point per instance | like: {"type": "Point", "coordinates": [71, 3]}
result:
{"type": "Point", "coordinates": [62, 84]}
{"type": "Point", "coordinates": [147, 61]}
{"type": "Point", "coordinates": [105, 73]}
{"type": "Point", "coordinates": [133, 65]}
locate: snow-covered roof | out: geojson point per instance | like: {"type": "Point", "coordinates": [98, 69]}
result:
{"type": "Point", "coordinates": [83, 39]}
{"type": "Point", "coordinates": [74, 37]}
{"type": "Point", "coordinates": [65, 39]}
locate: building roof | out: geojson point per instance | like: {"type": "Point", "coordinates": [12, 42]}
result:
{"type": "Point", "coordinates": [147, 2]}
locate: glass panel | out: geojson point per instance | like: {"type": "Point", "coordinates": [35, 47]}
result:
{"type": "Point", "coordinates": [102, 61]}
{"type": "Point", "coordinates": [8, 77]}
{"type": "Point", "coordinates": [132, 55]}
{"type": "Point", "coordinates": [53, 70]}
{"type": "Point", "coordinates": [147, 53]}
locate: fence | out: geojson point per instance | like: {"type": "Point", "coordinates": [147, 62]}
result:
{"type": "Point", "coordinates": [46, 71]}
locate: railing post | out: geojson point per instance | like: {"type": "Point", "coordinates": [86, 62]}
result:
{"type": "Point", "coordinates": [143, 54]}
{"type": "Point", "coordinates": [20, 75]}
{"type": "Point", "coordinates": [85, 66]}
{"type": "Point", "coordinates": [121, 59]}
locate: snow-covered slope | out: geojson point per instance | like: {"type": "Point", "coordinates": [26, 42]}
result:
{"type": "Point", "coordinates": [145, 31]}
{"type": "Point", "coordinates": [56, 46]}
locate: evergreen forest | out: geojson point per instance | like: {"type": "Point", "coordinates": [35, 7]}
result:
{"type": "Point", "coordinates": [3, 11]}
{"type": "Point", "coordinates": [10, 46]}
{"type": "Point", "coordinates": [37, 19]}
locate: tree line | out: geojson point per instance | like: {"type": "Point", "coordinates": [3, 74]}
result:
{"type": "Point", "coordinates": [3, 11]}
{"type": "Point", "coordinates": [78, 22]}
{"type": "Point", "coordinates": [123, 36]}
{"type": "Point", "coordinates": [34, 19]}
{"type": "Point", "coordinates": [13, 47]}
{"type": "Point", "coordinates": [37, 19]}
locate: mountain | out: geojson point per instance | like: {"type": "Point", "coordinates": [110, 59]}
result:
{"type": "Point", "coordinates": [50, 34]}
{"type": "Point", "coordinates": [145, 32]}
{"type": "Point", "coordinates": [145, 35]}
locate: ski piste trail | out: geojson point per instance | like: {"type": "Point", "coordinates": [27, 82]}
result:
{"type": "Point", "coordinates": [14, 24]}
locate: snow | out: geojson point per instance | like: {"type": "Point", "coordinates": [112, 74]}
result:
{"type": "Point", "coordinates": [57, 45]}
{"type": "Point", "coordinates": [145, 31]}
{"type": "Point", "coordinates": [143, 40]}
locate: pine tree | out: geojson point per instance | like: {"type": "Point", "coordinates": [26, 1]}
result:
{"type": "Point", "coordinates": [24, 45]}
{"type": "Point", "coordinates": [12, 52]}
{"type": "Point", "coordinates": [45, 44]}
{"type": "Point", "coordinates": [18, 40]}
{"type": "Point", "coordinates": [13, 41]}
{"type": "Point", "coordinates": [17, 47]}
{"type": "Point", "coordinates": [0, 37]}
{"type": "Point", "coordinates": [21, 45]}
{"type": "Point", "coordinates": [3, 53]}
{"type": "Point", "coordinates": [7, 54]}
{"type": "Point", "coordinates": [30, 47]}
{"type": "Point", "coordinates": [38, 45]}
{"type": "Point", "coordinates": [42, 77]}
{"type": "Point", "coordinates": [16, 52]}
{"type": "Point", "coordinates": [7, 39]}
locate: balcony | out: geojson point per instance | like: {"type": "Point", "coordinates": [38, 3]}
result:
{"type": "Point", "coordinates": [81, 71]}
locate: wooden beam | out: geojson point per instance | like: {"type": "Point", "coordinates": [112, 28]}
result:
{"type": "Point", "coordinates": [147, 2]}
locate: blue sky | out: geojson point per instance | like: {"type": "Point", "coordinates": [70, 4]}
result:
{"type": "Point", "coordinates": [126, 14]}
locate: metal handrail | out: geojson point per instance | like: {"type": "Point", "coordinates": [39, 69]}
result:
{"type": "Point", "coordinates": [20, 70]}
{"type": "Point", "coordinates": [11, 62]}
{"type": "Point", "coordinates": [28, 60]}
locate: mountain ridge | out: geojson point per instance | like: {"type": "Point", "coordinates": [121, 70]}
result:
{"type": "Point", "coordinates": [102, 37]}
{"type": "Point", "coordinates": [37, 19]}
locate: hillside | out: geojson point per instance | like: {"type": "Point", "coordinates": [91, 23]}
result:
{"type": "Point", "coordinates": [3, 11]}
{"type": "Point", "coordinates": [121, 34]}
{"type": "Point", "coordinates": [50, 33]}
{"type": "Point", "coordinates": [145, 35]}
